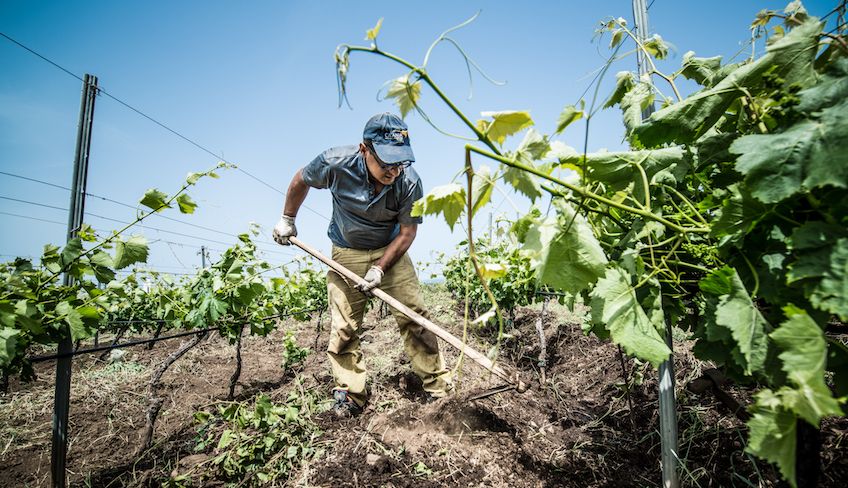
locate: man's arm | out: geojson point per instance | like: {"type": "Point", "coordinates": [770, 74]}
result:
{"type": "Point", "coordinates": [296, 194]}
{"type": "Point", "coordinates": [398, 246]}
{"type": "Point", "coordinates": [285, 228]}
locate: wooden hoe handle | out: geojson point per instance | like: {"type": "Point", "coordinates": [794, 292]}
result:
{"type": "Point", "coordinates": [417, 318]}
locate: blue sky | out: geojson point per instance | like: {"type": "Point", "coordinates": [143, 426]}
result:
{"type": "Point", "coordinates": [254, 82]}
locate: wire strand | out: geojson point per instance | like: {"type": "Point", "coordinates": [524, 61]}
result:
{"type": "Point", "coordinates": [155, 121]}
{"type": "Point", "coordinates": [123, 204]}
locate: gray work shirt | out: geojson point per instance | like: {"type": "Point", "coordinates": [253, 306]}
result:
{"type": "Point", "coordinates": [361, 218]}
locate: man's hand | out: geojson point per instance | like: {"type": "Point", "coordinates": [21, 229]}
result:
{"type": "Point", "coordinates": [372, 280]}
{"type": "Point", "coordinates": [284, 229]}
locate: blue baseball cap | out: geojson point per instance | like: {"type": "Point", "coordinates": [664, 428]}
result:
{"type": "Point", "coordinates": [390, 137]}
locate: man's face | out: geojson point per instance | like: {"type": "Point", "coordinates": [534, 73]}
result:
{"type": "Point", "coordinates": [383, 173]}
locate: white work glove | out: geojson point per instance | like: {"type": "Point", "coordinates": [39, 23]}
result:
{"type": "Point", "coordinates": [372, 280]}
{"type": "Point", "coordinates": [284, 229]}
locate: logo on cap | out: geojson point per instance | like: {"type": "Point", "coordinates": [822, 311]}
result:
{"type": "Point", "coordinates": [397, 135]}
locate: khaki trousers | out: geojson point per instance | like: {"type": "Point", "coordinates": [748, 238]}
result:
{"type": "Point", "coordinates": [347, 307]}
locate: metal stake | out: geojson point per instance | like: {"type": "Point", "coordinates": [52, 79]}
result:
{"type": "Point", "coordinates": [61, 407]}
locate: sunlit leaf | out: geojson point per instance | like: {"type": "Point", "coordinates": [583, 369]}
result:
{"type": "Point", "coordinates": [187, 205]}
{"type": "Point", "coordinates": [155, 200]}
{"type": "Point", "coordinates": [615, 305]}
{"type": "Point", "coordinates": [506, 124]}
{"type": "Point", "coordinates": [405, 94]}
{"type": "Point", "coordinates": [568, 116]}
{"type": "Point", "coordinates": [371, 34]}
{"type": "Point", "coordinates": [447, 200]}
{"type": "Point", "coordinates": [130, 251]}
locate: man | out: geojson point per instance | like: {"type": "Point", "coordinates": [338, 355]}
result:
{"type": "Point", "coordinates": [373, 188]}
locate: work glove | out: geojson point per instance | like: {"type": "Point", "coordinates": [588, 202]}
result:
{"type": "Point", "coordinates": [284, 229]}
{"type": "Point", "coordinates": [372, 280]}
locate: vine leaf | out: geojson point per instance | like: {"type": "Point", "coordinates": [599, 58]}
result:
{"type": "Point", "coordinates": [614, 304]}
{"type": "Point", "coordinates": [790, 57]}
{"type": "Point", "coordinates": [636, 100]}
{"type": "Point", "coordinates": [569, 115]}
{"type": "Point", "coordinates": [808, 155]}
{"type": "Point", "coordinates": [71, 251]}
{"type": "Point", "coordinates": [533, 147]}
{"type": "Point", "coordinates": [565, 252]}
{"type": "Point", "coordinates": [504, 124]}
{"type": "Point", "coordinates": [623, 83]}
{"type": "Point", "coordinates": [832, 89]}
{"type": "Point", "coordinates": [739, 215]}
{"type": "Point", "coordinates": [482, 185]}
{"type": "Point", "coordinates": [772, 433]}
{"type": "Point", "coordinates": [735, 311]}
{"type": "Point", "coordinates": [618, 169]}
{"type": "Point", "coordinates": [822, 266]}
{"type": "Point", "coordinates": [102, 263]}
{"type": "Point", "coordinates": [132, 250]}
{"type": "Point", "coordinates": [8, 345]}
{"type": "Point", "coordinates": [700, 70]}
{"type": "Point", "coordinates": [406, 94]}
{"type": "Point", "coordinates": [155, 200]}
{"type": "Point", "coordinates": [492, 271]}
{"type": "Point", "coordinates": [371, 34]}
{"type": "Point", "coordinates": [187, 205]}
{"type": "Point", "coordinates": [804, 356]}
{"type": "Point", "coordinates": [447, 200]}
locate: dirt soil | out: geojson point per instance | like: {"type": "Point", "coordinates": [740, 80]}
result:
{"type": "Point", "coordinates": [580, 428]}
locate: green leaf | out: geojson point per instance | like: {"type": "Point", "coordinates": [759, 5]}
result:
{"type": "Point", "coordinates": [656, 47]}
{"type": "Point", "coordinates": [614, 304]}
{"type": "Point", "coordinates": [534, 146]}
{"type": "Point", "coordinates": [406, 94]}
{"type": "Point", "coordinates": [719, 282]}
{"type": "Point", "coordinates": [772, 434]}
{"type": "Point", "coordinates": [623, 83]}
{"type": "Point", "coordinates": [701, 70]}
{"type": "Point", "coordinates": [8, 346]}
{"type": "Point", "coordinates": [522, 226]}
{"type": "Point", "coordinates": [738, 314]}
{"type": "Point", "coordinates": [371, 34]}
{"type": "Point", "coordinates": [226, 439]}
{"type": "Point", "coordinates": [739, 215]}
{"type": "Point", "coordinates": [569, 115]}
{"type": "Point", "coordinates": [829, 91]}
{"type": "Point", "coordinates": [447, 200]}
{"type": "Point", "coordinates": [808, 155]}
{"type": "Point", "coordinates": [74, 319]}
{"type": "Point", "coordinates": [71, 251]}
{"type": "Point", "coordinates": [506, 124]}
{"type": "Point", "coordinates": [634, 102]}
{"type": "Point", "coordinates": [790, 58]}
{"type": "Point", "coordinates": [101, 263]}
{"type": "Point", "coordinates": [492, 271]}
{"type": "Point", "coordinates": [133, 250]}
{"type": "Point", "coordinates": [155, 200]}
{"type": "Point", "coordinates": [823, 270]}
{"type": "Point", "coordinates": [192, 178]}
{"type": "Point", "coordinates": [186, 204]}
{"type": "Point", "coordinates": [565, 252]}
{"type": "Point", "coordinates": [804, 357]}
{"type": "Point", "coordinates": [482, 185]}
{"type": "Point", "coordinates": [617, 37]}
